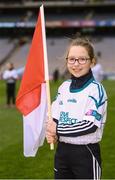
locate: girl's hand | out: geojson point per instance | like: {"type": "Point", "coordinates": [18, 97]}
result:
{"type": "Point", "coordinates": [51, 127]}
{"type": "Point", "coordinates": [51, 139]}
{"type": "Point", "coordinates": [51, 131]}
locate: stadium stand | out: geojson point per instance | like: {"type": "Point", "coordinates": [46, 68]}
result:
{"type": "Point", "coordinates": [6, 48]}
{"type": "Point", "coordinates": [20, 55]}
{"type": "Point", "coordinates": [64, 18]}
{"type": "Point", "coordinates": [56, 48]}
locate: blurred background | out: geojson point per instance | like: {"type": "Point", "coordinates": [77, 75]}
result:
{"type": "Point", "coordinates": [64, 18]}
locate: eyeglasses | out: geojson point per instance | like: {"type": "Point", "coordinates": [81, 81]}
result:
{"type": "Point", "coordinates": [80, 60]}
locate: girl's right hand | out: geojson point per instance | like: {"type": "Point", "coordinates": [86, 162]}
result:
{"type": "Point", "coordinates": [51, 131]}
{"type": "Point", "coordinates": [51, 139]}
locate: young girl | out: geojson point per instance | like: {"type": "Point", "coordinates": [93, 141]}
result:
{"type": "Point", "coordinates": [79, 115]}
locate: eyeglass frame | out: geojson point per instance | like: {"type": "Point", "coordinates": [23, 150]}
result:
{"type": "Point", "coordinates": [77, 59]}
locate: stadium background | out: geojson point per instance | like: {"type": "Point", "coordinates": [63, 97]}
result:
{"type": "Point", "coordinates": [64, 18]}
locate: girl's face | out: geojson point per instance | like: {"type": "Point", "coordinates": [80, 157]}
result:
{"type": "Point", "coordinates": [78, 53]}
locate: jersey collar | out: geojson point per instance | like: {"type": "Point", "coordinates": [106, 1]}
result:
{"type": "Point", "coordinates": [80, 83]}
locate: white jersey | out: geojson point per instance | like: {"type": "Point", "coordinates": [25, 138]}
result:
{"type": "Point", "coordinates": [78, 111]}
{"type": "Point", "coordinates": [10, 76]}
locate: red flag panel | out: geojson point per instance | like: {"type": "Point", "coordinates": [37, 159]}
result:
{"type": "Point", "coordinates": [29, 93]}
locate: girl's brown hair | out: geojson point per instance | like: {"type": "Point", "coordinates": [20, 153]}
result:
{"type": "Point", "coordinates": [84, 42]}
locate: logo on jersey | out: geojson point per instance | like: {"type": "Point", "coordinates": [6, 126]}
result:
{"type": "Point", "coordinates": [94, 113]}
{"type": "Point", "coordinates": [72, 100]}
{"type": "Point", "coordinates": [65, 119]}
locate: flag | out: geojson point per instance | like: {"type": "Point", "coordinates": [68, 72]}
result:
{"type": "Point", "coordinates": [31, 100]}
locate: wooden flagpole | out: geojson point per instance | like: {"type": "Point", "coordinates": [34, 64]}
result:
{"type": "Point", "coordinates": [49, 107]}
{"type": "Point", "coordinates": [46, 68]}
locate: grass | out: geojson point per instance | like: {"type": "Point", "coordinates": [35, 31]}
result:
{"type": "Point", "coordinates": [13, 165]}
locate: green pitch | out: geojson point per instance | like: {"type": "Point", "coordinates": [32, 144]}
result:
{"type": "Point", "coordinates": [13, 165]}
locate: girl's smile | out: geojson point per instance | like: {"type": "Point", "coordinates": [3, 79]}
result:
{"type": "Point", "coordinates": [75, 68]}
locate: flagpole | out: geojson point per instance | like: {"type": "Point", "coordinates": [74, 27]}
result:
{"type": "Point", "coordinates": [46, 69]}
{"type": "Point", "coordinates": [49, 107]}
